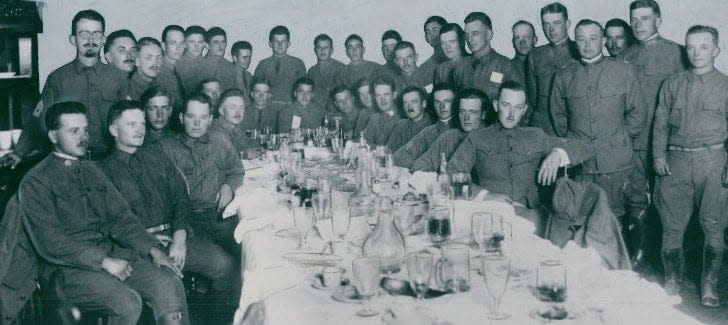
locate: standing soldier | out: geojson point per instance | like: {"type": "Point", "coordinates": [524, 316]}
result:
{"type": "Point", "coordinates": [281, 69]}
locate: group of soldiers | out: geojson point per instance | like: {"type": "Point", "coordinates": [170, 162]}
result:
{"type": "Point", "coordinates": [145, 151]}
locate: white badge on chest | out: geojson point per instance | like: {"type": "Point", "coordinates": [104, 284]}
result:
{"type": "Point", "coordinates": [296, 122]}
{"type": "Point", "coordinates": [496, 77]}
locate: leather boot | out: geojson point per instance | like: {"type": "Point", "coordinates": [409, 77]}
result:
{"type": "Point", "coordinates": [712, 259]}
{"type": "Point", "coordinates": [673, 261]}
{"type": "Point", "coordinates": [637, 239]}
{"type": "Point", "coordinates": [176, 318]}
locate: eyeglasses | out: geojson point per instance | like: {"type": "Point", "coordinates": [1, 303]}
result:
{"type": "Point", "coordinates": [85, 35]}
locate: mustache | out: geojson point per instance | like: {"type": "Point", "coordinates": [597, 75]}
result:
{"type": "Point", "coordinates": [129, 61]}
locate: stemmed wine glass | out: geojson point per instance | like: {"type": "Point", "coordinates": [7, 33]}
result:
{"type": "Point", "coordinates": [496, 271]}
{"type": "Point", "coordinates": [366, 280]}
{"type": "Point", "coordinates": [419, 270]}
{"type": "Point", "coordinates": [488, 231]}
{"type": "Point", "coordinates": [303, 219]}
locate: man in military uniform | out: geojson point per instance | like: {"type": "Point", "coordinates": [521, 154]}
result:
{"type": "Point", "coordinates": [324, 71]}
{"type": "Point", "coordinates": [381, 124]}
{"type": "Point", "coordinates": [390, 38]}
{"type": "Point", "coordinates": [654, 59]}
{"type": "Point", "coordinates": [524, 39]}
{"type": "Point", "coordinates": [231, 114]}
{"type": "Point", "coordinates": [303, 113]}
{"type": "Point", "coordinates": [85, 80]}
{"type": "Point", "coordinates": [189, 67]}
{"type": "Point", "coordinates": [281, 69]}
{"type": "Point", "coordinates": [158, 110]}
{"type": "Point", "coordinates": [83, 228]}
{"type": "Point", "coordinates": [598, 100]}
{"type": "Point", "coordinates": [545, 60]}
{"type": "Point", "coordinates": [215, 64]}
{"type": "Point", "coordinates": [120, 49]}
{"type": "Point", "coordinates": [242, 53]}
{"type": "Point", "coordinates": [357, 68]}
{"type": "Point", "coordinates": [432, 28]}
{"type": "Point", "coordinates": [472, 109]}
{"type": "Point", "coordinates": [409, 73]}
{"type": "Point", "coordinates": [414, 104]}
{"type": "Point", "coordinates": [157, 194]}
{"type": "Point", "coordinates": [173, 40]}
{"type": "Point", "coordinates": [688, 146]}
{"type": "Point", "coordinates": [619, 36]}
{"type": "Point", "coordinates": [148, 61]}
{"type": "Point", "coordinates": [351, 115]}
{"type": "Point", "coordinates": [263, 115]}
{"type": "Point", "coordinates": [452, 41]}
{"type": "Point", "coordinates": [213, 89]}
{"type": "Point", "coordinates": [485, 69]}
{"type": "Point", "coordinates": [444, 99]}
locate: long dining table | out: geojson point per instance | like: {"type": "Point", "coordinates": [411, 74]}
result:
{"type": "Point", "coordinates": [288, 292]}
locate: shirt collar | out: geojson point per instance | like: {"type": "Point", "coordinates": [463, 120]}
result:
{"type": "Point", "coordinates": [192, 141]}
{"type": "Point", "coordinates": [562, 42]}
{"type": "Point", "coordinates": [651, 38]}
{"type": "Point", "coordinates": [703, 78]}
{"type": "Point", "coordinates": [80, 66]}
{"type": "Point", "coordinates": [121, 156]}
{"type": "Point", "coordinates": [594, 60]}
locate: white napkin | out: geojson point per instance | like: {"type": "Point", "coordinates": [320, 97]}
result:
{"type": "Point", "coordinates": [314, 153]}
{"type": "Point", "coordinates": [420, 180]}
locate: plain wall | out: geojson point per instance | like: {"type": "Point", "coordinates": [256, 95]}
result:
{"type": "Point", "coordinates": [251, 20]}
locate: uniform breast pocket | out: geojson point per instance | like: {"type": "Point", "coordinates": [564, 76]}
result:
{"type": "Point", "coordinates": [612, 97]}
{"type": "Point", "coordinates": [714, 116]}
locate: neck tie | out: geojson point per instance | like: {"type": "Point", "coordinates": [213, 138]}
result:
{"type": "Point", "coordinates": [278, 64]}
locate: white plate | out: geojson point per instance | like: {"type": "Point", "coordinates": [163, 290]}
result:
{"type": "Point", "coordinates": [312, 259]}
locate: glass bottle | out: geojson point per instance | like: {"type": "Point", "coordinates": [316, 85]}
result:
{"type": "Point", "coordinates": [363, 202]}
{"type": "Point", "coordinates": [385, 241]}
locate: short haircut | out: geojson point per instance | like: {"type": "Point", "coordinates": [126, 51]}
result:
{"type": "Point", "coordinates": [239, 46]}
{"type": "Point", "coordinates": [322, 37]}
{"type": "Point", "coordinates": [555, 8]}
{"type": "Point", "coordinates": [232, 92]}
{"type": "Point", "coordinates": [382, 80]}
{"type": "Point", "coordinates": [436, 19]}
{"type": "Point", "coordinates": [154, 91]}
{"type": "Point", "coordinates": [415, 89]}
{"type": "Point", "coordinates": [215, 31]}
{"type": "Point", "coordinates": [404, 45]}
{"type": "Point", "coordinates": [481, 17]}
{"type": "Point", "coordinates": [302, 81]}
{"type": "Point", "coordinates": [258, 81]}
{"type": "Point", "coordinates": [120, 107]}
{"type": "Point", "coordinates": [171, 28]}
{"type": "Point", "coordinates": [586, 22]}
{"type": "Point", "coordinates": [524, 22]}
{"type": "Point", "coordinates": [444, 86]}
{"type": "Point", "coordinates": [54, 113]}
{"type": "Point", "coordinates": [90, 15]}
{"type": "Point", "coordinates": [194, 29]}
{"type": "Point", "coordinates": [338, 90]}
{"type": "Point", "coordinates": [115, 35]}
{"type": "Point", "coordinates": [453, 27]}
{"type": "Point", "coordinates": [474, 93]}
{"type": "Point", "coordinates": [695, 29]}
{"type": "Point", "coordinates": [201, 85]}
{"type": "Point", "coordinates": [197, 97]}
{"type": "Point", "coordinates": [616, 22]}
{"type": "Point", "coordinates": [511, 85]}
{"type": "Point", "coordinates": [391, 34]}
{"type": "Point", "coordinates": [353, 37]}
{"type": "Point", "coordinates": [652, 4]}
{"type": "Point", "coordinates": [279, 30]}
{"type": "Point", "coordinates": [363, 82]}
{"type": "Point", "coordinates": [147, 41]}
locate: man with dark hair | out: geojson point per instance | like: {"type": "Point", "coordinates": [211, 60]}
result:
{"type": "Point", "coordinates": [357, 68]}
{"type": "Point", "coordinates": [281, 69]}
{"type": "Point", "coordinates": [190, 68]}
{"type": "Point", "coordinates": [120, 49]}
{"type": "Point", "coordinates": [414, 104]}
{"type": "Point", "coordinates": [215, 64]}
{"type": "Point", "coordinates": [485, 69]}
{"type": "Point", "coordinates": [242, 53]}
{"type": "Point", "coordinates": [83, 228]}
{"type": "Point", "coordinates": [409, 73]}
{"type": "Point", "coordinates": [432, 28]}
{"type": "Point", "coordinates": [381, 124]}
{"type": "Point", "coordinates": [158, 110]}
{"type": "Point", "coordinates": [173, 40]}
{"type": "Point", "coordinates": [303, 113]}
{"type": "Point", "coordinates": [524, 40]}
{"type": "Point", "coordinates": [353, 119]}
{"type": "Point", "coordinates": [390, 38]}
{"type": "Point", "coordinates": [231, 114]}
{"type": "Point", "coordinates": [452, 42]}
{"type": "Point", "coordinates": [85, 80]}
{"type": "Point", "coordinates": [364, 96]}
{"type": "Point", "coordinates": [212, 168]}
{"type": "Point", "coordinates": [598, 100]}
{"type": "Point", "coordinates": [472, 107]}
{"type": "Point", "coordinates": [444, 99]}
{"type": "Point", "coordinates": [148, 61]}
{"type": "Point", "coordinates": [213, 89]}
{"type": "Point", "coordinates": [157, 194]}
{"type": "Point", "coordinates": [688, 146]}
{"type": "Point", "coordinates": [263, 115]}
{"type": "Point", "coordinates": [324, 71]}
{"type": "Point", "coordinates": [545, 60]}
{"type": "Point", "coordinates": [619, 36]}
{"type": "Point", "coordinates": [654, 59]}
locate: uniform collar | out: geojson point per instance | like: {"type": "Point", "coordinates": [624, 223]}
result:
{"type": "Point", "coordinates": [562, 42]}
{"type": "Point", "coordinates": [121, 156]}
{"type": "Point", "coordinates": [138, 79]}
{"type": "Point", "coordinates": [654, 37]}
{"type": "Point", "coordinates": [703, 78]}
{"type": "Point", "coordinates": [187, 140]}
{"type": "Point", "coordinates": [64, 159]}
{"type": "Point", "coordinates": [80, 66]}
{"type": "Point", "coordinates": [594, 60]}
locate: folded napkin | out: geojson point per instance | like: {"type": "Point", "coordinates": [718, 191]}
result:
{"type": "Point", "coordinates": [421, 180]}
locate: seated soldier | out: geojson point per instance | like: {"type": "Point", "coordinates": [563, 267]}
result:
{"type": "Point", "coordinates": [157, 194]}
{"type": "Point", "coordinates": [408, 73]}
{"type": "Point", "coordinates": [443, 98]}
{"type": "Point", "coordinates": [302, 113]}
{"type": "Point", "coordinates": [263, 115]}
{"type": "Point", "coordinates": [231, 115]}
{"type": "Point", "coordinates": [83, 228]}
{"type": "Point", "coordinates": [158, 109]}
{"type": "Point", "coordinates": [352, 117]}
{"type": "Point", "coordinates": [380, 125]}
{"type": "Point", "coordinates": [506, 156]}
{"type": "Point", "coordinates": [212, 168]}
{"type": "Point", "coordinates": [212, 88]}
{"type": "Point", "coordinates": [472, 109]}
{"type": "Point", "coordinates": [414, 103]}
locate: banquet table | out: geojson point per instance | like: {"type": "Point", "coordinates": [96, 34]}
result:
{"type": "Point", "coordinates": [596, 295]}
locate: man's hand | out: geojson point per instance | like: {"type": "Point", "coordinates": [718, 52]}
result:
{"type": "Point", "coordinates": [11, 159]}
{"type": "Point", "coordinates": [224, 196]}
{"type": "Point", "coordinates": [160, 259]}
{"type": "Point", "coordinates": [663, 169]}
{"type": "Point", "coordinates": [120, 269]}
{"type": "Point", "coordinates": [549, 168]}
{"type": "Point", "coordinates": [164, 239]}
{"type": "Point", "coordinates": [178, 253]}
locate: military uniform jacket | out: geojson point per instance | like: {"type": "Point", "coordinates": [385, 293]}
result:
{"type": "Point", "coordinates": [219, 68]}
{"type": "Point", "coordinates": [420, 78]}
{"type": "Point", "coordinates": [361, 122]}
{"type": "Point", "coordinates": [507, 161]}
{"type": "Point", "coordinates": [323, 75]}
{"type": "Point", "coordinates": [261, 118]}
{"type": "Point", "coordinates": [289, 69]}
{"type": "Point", "coordinates": [167, 79]}
{"type": "Point", "coordinates": [190, 72]}
{"type": "Point", "coordinates": [137, 86]}
{"type": "Point", "coordinates": [443, 72]}
{"type": "Point", "coordinates": [654, 61]}
{"type": "Point", "coordinates": [446, 143]}
{"type": "Point", "coordinates": [350, 74]}
{"type": "Point", "coordinates": [405, 129]}
{"type": "Point", "coordinates": [311, 117]}
{"type": "Point", "coordinates": [692, 112]}
{"type": "Point", "coordinates": [486, 73]}
{"type": "Point", "coordinates": [234, 133]}
{"type": "Point", "coordinates": [415, 147]}
{"type": "Point", "coordinates": [380, 127]}
{"type": "Point", "coordinates": [600, 103]}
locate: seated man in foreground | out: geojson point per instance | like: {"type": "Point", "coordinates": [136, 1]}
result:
{"type": "Point", "coordinates": [83, 228]}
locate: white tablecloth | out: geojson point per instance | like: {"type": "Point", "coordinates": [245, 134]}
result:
{"type": "Point", "coordinates": [596, 295]}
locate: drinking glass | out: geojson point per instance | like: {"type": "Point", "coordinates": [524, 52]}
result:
{"type": "Point", "coordinates": [461, 186]}
{"type": "Point", "coordinates": [366, 280]}
{"type": "Point", "coordinates": [438, 224]}
{"type": "Point", "coordinates": [551, 281]}
{"type": "Point", "coordinates": [487, 231]}
{"type": "Point", "coordinates": [496, 271]}
{"type": "Point", "coordinates": [303, 219]}
{"type": "Point", "coordinates": [453, 267]}
{"type": "Point", "coordinates": [419, 270]}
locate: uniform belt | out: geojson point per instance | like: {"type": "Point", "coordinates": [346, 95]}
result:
{"type": "Point", "coordinates": [158, 228]}
{"type": "Point", "coordinates": [704, 148]}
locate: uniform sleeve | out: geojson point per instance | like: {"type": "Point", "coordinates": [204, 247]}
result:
{"type": "Point", "coordinates": [300, 69]}
{"type": "Point", "coordinates": [33, 131]}
{"type": "Point", "coordinates": [370, 130]}
{"type": "Point", "coordinates": [659, 126]}
{"type": "Point", "coordinates": [179, 194]}
{"type": "Point", "coordinates": [47, 230]}
{"type": "Point", "coordinates": [463, 160]}
{"type": "Point", "coordinates": [406, 155]}
{"type": "Point", "coordinates": [430, 160]}
{"type": "Point", "coordinates": [530, 84]}
{"type": "Point", "coordinates": [395, 138]}
{"type": "Point", "coordinates": [231, 166]}
{"type": "Point", "coordinates": [557, 107]}
{"type": "Point", "coordinates": [636, 106]}
{"type": "Point", "coordinates": [259, 70]}
{"type": "Point", "coordinates": [578, 150]}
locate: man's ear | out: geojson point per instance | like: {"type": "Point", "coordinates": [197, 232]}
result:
{"type": "Point", "coordinates": [181, 118]}
{"type": "Point", "coordinates": [108, 57]}
{"type": "Point", "coordinates": [114, 130]}
{"type": "Point", "coordinates": [72, 40]}
{"type": "Point", "coordinates": [495, 105]}
{"type": "Point", "coordinates": [52, 136]}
